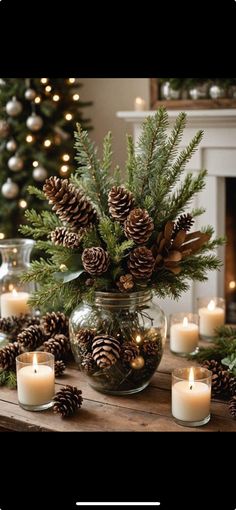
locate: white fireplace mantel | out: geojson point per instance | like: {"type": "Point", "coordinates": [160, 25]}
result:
{"type": "Point", "coordinates": [216, 153]}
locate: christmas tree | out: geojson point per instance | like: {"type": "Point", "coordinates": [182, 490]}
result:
{"type": "Point", "coordinates": [37, 121]}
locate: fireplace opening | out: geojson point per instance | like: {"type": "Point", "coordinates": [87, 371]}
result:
{"type": "Point", "coordinates": [230, 251]}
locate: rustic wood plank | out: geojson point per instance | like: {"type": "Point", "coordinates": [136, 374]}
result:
{"type": "Point", "coordinates": [196, 104]}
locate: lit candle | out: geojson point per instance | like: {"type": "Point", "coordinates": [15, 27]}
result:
{"type": "Point", "coordinates": [184, 337]}
{"type": "Point", "coordinates": [35, 380]}
{"type": "Point", "coordinates": [191, 398]}
{"type": "Point", "coordinates": [211, 317]}
{"type": "Point", "coordinates": [14, 303]}
{"type": "Point", "coordinates": [139, 104]}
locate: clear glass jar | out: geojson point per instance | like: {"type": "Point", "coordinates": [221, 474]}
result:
{"type": "Point", "coordinates": [15, 260]}
{"type": "Point", "coordinates": [118, 341]}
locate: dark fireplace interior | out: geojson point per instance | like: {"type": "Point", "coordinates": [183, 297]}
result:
{"type": "Point", "coordinates": [230, 252]}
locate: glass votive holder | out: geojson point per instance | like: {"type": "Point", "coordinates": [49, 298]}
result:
{"type": "Point", "coordinates": [191, 396]}
{"type": "Point", "coordinates": [211, 312]}
{"type": "Point", "coordinates": [35, 380]}
{"type": "Point", "coordinates": [184, 333]}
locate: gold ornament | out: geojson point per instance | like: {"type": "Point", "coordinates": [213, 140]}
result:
{"type": "Point", "coordinates": [137, 363]}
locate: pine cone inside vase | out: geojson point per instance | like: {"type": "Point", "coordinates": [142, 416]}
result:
{"type": "Point", "coordinates": [105, 350]}
{"type": "Point", "coordinates": [139, 226]}
{"type": "Point", "coordinates": [184, 222]}
{"type": "Point", "coordinates": [8, 356]}
{"type": "Point", "coordinates": [88, 363]}
{"type": "Point", "coordinates": [141, 263]}
{"type": "Point", "coordinates": [67, 400]}
{"type": "Point", "coordinates": [59, 346]}
{"type": "Point", "coordinates": [129, 351]}
{"type": "Point", "coordinates": [31, 338]}
{"type": "Point", "coordinates": [120, 202]}
{"type": "Point", "coordinates": [84, 338]}
{"type": "Point", "coordinates": [60, 367]}
{"type": "Point", "coordinates": [125, 282]}
{"type": "Point", "coordinates": [69, 203]}
{"type": "Point", "coordinates": [95, 260]}
{"type": "Point", "coordinates": [150, 348]}
{"type": "Point", "coordinates": [55, 323]}
{"type": "Point", "coordinates": [232, 406]}
{"type": "Point", "coordinates": [57, 235]}
{"type": "Point", "coordinates": [220, 384]}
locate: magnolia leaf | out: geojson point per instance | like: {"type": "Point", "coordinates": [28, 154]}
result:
{"type": "Point", "coordinates": [67, 276]}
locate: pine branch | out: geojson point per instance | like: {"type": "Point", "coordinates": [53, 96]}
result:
{"type": "Point", "coordinates": [91, 239]}
{"type": "Point", "coordinates": [167, 285]}
{"type": "Point", "coordinates": [110, 235]}
{"type": "Point", "coordinates": [39, 271]}
{"type": "Point", "coordinates": [196, 266]}
{"type": "Point", "coordinates": [197, 211]}
{"type": "Point", "coordinates": [32, 190]}
{"type": "Point", "coordinates": [107, 154]}
{"type": "Point", "coordinates": [183, 159]}
{"type": "Point", "coordinates": [171, 146]}
{"type": "Point", "coordinates": [224, 346]}
{"type": "Point", "coordinates": [131, 162]}
{"type": "Point", "coordinates": [8, 378]}
{"type": "Point", "coordinates": [42, 223]}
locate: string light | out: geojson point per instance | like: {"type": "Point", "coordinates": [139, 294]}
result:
{"type": "Point", "coordinates": [37, 100]}
{"type": "Point", "coordinates": [47, 143]}
{"type": "Point", "coordinates": [64, 169]}
{"type": "Point", "coordinates": [35, 164]}
{"type": "Point", "coordinates": [65, 157]}
{"type": "Point", "coordinates": [2, 235]}
{"type": "Point", "coordinates": [29, 138]}
{"type": "Point", "coordinates": [75, 97]}
{"type": "Point", "coordinates": [44, 80]}
{"type": "Point", "coordinates": [68, 116]}
{"type": "Point", "coordinates": [71, 80]}
{"type": "Point", "coordinates": [55, 97]}
{"type": "Point", "coordinates": [48, 88]}
{"type": "Point", "coordinates": [23, 204]}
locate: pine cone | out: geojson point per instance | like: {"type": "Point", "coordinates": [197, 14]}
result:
{"type": "Point", "coordinates": [84, 338]}
{"type": "Point", "coordinates": [67, 400]}
{"type": "Point", "coordinates": [139, 226]}
{"type": "Point", "coordinates": [56, 323]}
{"type": "Point", "coordinates": [105, 350]}
{"type": "Point", "coordinates": [125, 282]}
{"type": "Point", "coordinates": [120, 202]}
{"type": "Point", "coordinates": [129, 351]}
{"type": "Point", "coordinates": [13, 325]}
{"type": "Point", "coordinates": [59, 368]}
{"type": "Point", "coordinates": [213, 365]}
{"type": "Point", "coordinates": [87, 362]}
{"type": "Point", "coordinates": [184, 222]}
{"type": "Point", "coordinates": [150, 348]}
{"type": "Point", "coordinates": [95, 260]}
{"type": "Point", "coordinates": [220, 384]}
{"type": "Point", "coordinates": [72, 240]}
{"type": "Point", "coordinates": [31, 338]}
{"type": "Point", "coordinates": [57, 235]}
{"type": "Point", "coordinates": [8, 356]}
{"type": "Point", "coordinates": [59, 346]}
{"type": "Point", "coordinates": [232, 386]}
{"type": "Point", "coordinates": [69, 203]}
{"type": "Point", "coordinates": [232, 407]}
{"type": "Point", "coordinates": [141, 263]}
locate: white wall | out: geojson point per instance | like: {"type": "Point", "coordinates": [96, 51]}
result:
{"type": "Point", "coordinates": [110, 95]}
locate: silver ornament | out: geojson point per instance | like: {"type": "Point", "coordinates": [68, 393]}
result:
{"type": "Point", "coordinates": [13, 107]}
{"type": "Point", "coordinates": [216, 92]}
{"type": "Point", "coordinates": [10, 189]}
{"type": "Point", "coordinates": [195, 93]}
{"type": "Point", "coordinates": [40, 174]}
{"type": "Point", "coordinates": [34, 122]}
{"type": "Point", "coordinates": [4, 128]}
{"type": "Point", "coordinates": [168, 93]}
{"type": "Point", "coordinates": [30, 94]}
{"type": "Point", "coordinates": [15, 163]}
{"type": "Point", "coordinates": [11, 145]}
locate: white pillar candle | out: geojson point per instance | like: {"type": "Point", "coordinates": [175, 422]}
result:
{"type": "Point", "coordinates": [184, 336]}
{"type": "Point", "coordinates": [139, 104]}
{"type": "Point", "coordinates": [14, 303]}
{"type": "Point", "coordinates": [211, 317]}
{"type": "Point", "coordinates": [35, 384]}
{"type": "Point", "coordinates": [191, 400]}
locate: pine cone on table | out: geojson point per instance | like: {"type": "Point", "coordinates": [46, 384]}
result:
{"type": "Point", "coordinates": [129, 351]}
{"type": "Point", "coordinates": [8, 356]}
{"type": "Point", "coordinates": [184, 222]}
{"type": "Point", "coordinates": [141, 263]}
{"type": "Point", "coordinates": [220, 384]}
{"type": "Point", "coordinates": [60, 367]}
{"type": "Point", "coordinates": [213, 365]}
{"type": "Point", "coordinates": [84, 338]}
{"type": "Point", "coordinates": [13, 325]}
{"type": "Point", "coordinates": [69, 203]}
{"type": "Point", "coordinates": [232, 406]}
{"type": "Point", "coordinates": [105, 350]}
{"type": "Point", "coordinates": [31, 338]}
{"type": "Point", "coordinates": [139, 226]}
{"type": "Point", "coordinates": [59, 346]}
{"type": "Point", "coordinates": [125, 282]}
{"type": "Point", "coordinates": [67, 401]}
{"type": "Point", "coordinates": [120, 202]}
{"type": "Point", "coordinates": [95, 260]}
{"type": "Point", "coordinates": [55, 323]}
{"type": "Point", "coordinates": [232, 386]}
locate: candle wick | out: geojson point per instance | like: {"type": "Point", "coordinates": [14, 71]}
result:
{"type": "Point", "coordinates": [191, 387]}
{"type": "Point", "coordinates": [35, 371]}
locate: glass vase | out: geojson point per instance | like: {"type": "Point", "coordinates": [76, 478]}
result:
{"type": "Point", "coordinates": [118, 340]}
{"type": "Point", "coordinates": [14, 294]}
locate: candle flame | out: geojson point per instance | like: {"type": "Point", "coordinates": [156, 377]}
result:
{"type": "Point", "coordinates": [232, 284]}
{"type": "Point", "coordinates": [14, 292]}
{"type": "Point", "coordinates": [138, 339]}
{"type": "Point", "coordinates": [139, 100]}
{"type": "Point", "coordinates": [191, 378]}
{"type": "Point", "coordinates": [35, 363]}
{"type": "Point", "coordinates": [185, 322]}
{"type": "Point", "coordinates": [211, 306]}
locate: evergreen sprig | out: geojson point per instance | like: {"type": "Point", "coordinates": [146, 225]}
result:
{"type": "Point", "coordinates": [223, 348]}
{"type": "Point", "coordinates": [8, 378]}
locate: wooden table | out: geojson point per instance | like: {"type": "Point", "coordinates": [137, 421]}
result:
{"type": "Point", "coordinates": [149, 410]}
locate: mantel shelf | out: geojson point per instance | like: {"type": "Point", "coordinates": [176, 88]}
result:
{"type": "Point", "coordinates": [196, 118]}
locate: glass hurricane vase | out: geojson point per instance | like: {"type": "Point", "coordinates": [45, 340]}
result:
{"type": "Point", "coordinates": [118, 340]}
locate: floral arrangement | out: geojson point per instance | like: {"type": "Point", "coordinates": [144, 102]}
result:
{"type": "Point", "coordinates": [126, 234]}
